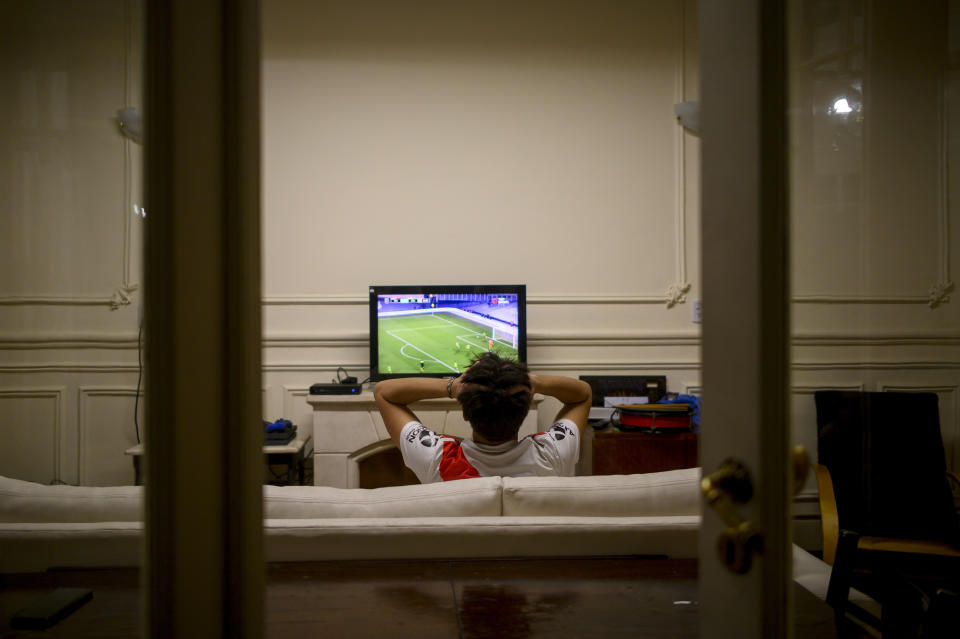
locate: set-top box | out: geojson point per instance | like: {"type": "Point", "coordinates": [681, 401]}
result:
{"type": "Point", "coordinates": [336, 389]}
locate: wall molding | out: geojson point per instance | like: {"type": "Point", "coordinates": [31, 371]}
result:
{"type": "Point", "coordinates": [547, 298]}
{"type": "Point", "coordinates": [925, 298]}
{"type": "Point", "coordinates": [84, 393]}
{"type": "Point", "coordinates": [677, 292]}
{"type": "Point", "coordinates": [939, 293]}
{"type": "Point", "coordinates": [122, 294]}
{"type": "Point", "coordinates": [128, 340]}
{"type": "Point", "coordinates": [911, 388]}
{"type": "Point", "coordinates": [631, 366]}
{"type": "Point", "coordinates": [55, 300]}
{"type": "Point", "coordinates": [41, 341]}
{"type": "Point", "coordinates": [941, 284]}
{"type": "Point", "coordinates": [540, 366]}
{"type": "Point", "coordinates": [131, 67]}
{"type": "Point", "coordinates": [890, 338]}
{"type": "Point", "coordinates": [875, 365]}
{"type": "Point", "coordinates": [56, 393]}
{"type": "Point", "coordinates": [806, 389]}
{"type": "Point", "coordinates": [68, 367]}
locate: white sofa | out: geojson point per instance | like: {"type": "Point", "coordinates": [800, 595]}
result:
{"type": "Point", "coordinates": [652, 514]}
{"type": "Point", "coordinates": [45, 527]}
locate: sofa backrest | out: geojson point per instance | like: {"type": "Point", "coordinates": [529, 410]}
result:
{"type": "Point", "coordinates": [24, 501]}
{"type": "Point", "coordinates": [479, 497]}
{"type": "Point", "coordinates": [663, 494]}
{"type": "Point", "coordinates": [674, 492]}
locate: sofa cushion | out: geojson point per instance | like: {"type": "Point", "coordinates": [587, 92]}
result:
{"type": "Point", "coordinates": [474, 537]}
{"type": "Point", "coordinates": [478, 497]}
{"type": "Point", "coordinates": [39, 546]}
{"type": "Point", "coordinates": [674, 492]}
{"type": "Point", "coordinates": [24, 501]}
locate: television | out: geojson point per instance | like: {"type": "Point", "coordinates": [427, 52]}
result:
{"type": "Point", "coordinates": [436, 331]}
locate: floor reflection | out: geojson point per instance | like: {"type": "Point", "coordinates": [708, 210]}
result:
{"type": "Point", "coordinates": [502, 611]}
{"type": "Point", "coordinates": [484, 610]}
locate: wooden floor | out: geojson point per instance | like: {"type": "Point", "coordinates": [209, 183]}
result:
{"type": "Point", "coordinates": [579, 598]}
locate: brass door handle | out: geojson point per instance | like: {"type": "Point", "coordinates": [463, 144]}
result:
{"type": "Point", "coordinates": [728, 485]}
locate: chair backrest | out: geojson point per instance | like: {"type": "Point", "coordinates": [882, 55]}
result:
{"type": "Point", "coordinates": [886, 458]}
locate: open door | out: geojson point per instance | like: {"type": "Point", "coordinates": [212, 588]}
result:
{"type": "Point", "coordinates": [745, 576]}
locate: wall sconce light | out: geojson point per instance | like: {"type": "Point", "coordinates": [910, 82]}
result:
{"type": "Point", "coordinates": [689, 115]}
{"type": "Point", "coordinates": [131, 124]}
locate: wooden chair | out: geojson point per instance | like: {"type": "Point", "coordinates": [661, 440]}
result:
{"type": "Point", "coordinates": [888, 508]}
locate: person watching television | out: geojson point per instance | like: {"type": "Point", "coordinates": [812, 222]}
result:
{"type": "Point", "coordinates": [495, 395]}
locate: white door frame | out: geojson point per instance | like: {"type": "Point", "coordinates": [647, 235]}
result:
{"type": "Point", "coordinates": [204, 573]}
{"type": "Point", "coordinates": [745, 329]}
{"type": "Point", "coordinates": [205, 559]}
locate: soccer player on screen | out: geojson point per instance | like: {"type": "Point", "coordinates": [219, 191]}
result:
{"type": "Point", "coordinates": [495, 395]}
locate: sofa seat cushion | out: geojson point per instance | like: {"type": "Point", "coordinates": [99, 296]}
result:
{"type": "Point", "coordinates": [674, 492]}
{"type": "Point", "coordinates": [479, 537]}
{"type": "Point", "coordinates": [35, 547]}
{"type": "Point", "coordinates": [24, 501]}
{"type": "Point", "coordinates": [479, 497]}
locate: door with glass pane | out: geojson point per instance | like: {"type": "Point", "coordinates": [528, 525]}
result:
{"type": "Point", "coordinates": [745, 537]}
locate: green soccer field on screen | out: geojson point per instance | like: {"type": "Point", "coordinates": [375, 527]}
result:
{"type": "Point", "coordinates": [437, 342]}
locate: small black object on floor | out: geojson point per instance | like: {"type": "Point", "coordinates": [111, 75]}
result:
{"type": "Point", "coordinates": [47, 610]}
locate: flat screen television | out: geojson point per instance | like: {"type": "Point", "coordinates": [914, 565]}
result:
{"type": "Point", "coordinates": [436, 331]}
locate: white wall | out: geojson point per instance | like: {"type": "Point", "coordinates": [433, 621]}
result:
{"type": "Point", "coordinates": [442, 142]}
{"type": "Point", "coordinates": [69, 243]}
{"type": "Point", "coordinates": [479, 142]}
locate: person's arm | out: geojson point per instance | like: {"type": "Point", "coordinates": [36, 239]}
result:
{"type": "Point", "coordinates": [394, 396]}
{"type": "Point", "coordinates": [575, 395]}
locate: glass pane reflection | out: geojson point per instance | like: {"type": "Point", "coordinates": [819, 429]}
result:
{"type": "Point", "coordinates": [872, 118]}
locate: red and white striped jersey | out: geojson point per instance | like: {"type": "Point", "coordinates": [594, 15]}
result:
{"type": "Point", "coordinates": [434, 457]}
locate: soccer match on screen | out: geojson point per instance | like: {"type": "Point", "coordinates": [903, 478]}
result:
{"type": "Point", "coordinates": [441, 333]}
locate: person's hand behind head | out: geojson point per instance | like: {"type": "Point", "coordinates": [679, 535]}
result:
{"type": "Point", "coordinates": [457, 386]}
{"type": "Point", "coordinates": [533, 383]}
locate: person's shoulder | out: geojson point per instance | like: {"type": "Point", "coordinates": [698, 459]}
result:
{"type": "Point", "coordinates": [415, 432]}
{"type": "Point", "coordinates": [561, 430]}
{"type": "Point", "coordinates": [410, 426]}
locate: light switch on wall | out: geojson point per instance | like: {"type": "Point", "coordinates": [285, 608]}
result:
{"type": "Point", "coordinates": [697, 311]}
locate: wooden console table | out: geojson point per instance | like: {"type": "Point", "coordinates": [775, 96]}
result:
{"type": "Point", "coordinates": [621, 453]}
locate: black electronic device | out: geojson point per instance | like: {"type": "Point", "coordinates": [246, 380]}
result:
{"type": "Point", "coordinates": [438, 330]}
{"type": "Point", "coordinates": [47, 610]}
{"type": "Point", "coordinates": [653, 387]}
{"type": "Point", "coordinates": [336, 389]}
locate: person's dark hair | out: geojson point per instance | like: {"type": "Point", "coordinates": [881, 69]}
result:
{"type": "Point", "coordinates": [491, 399]}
